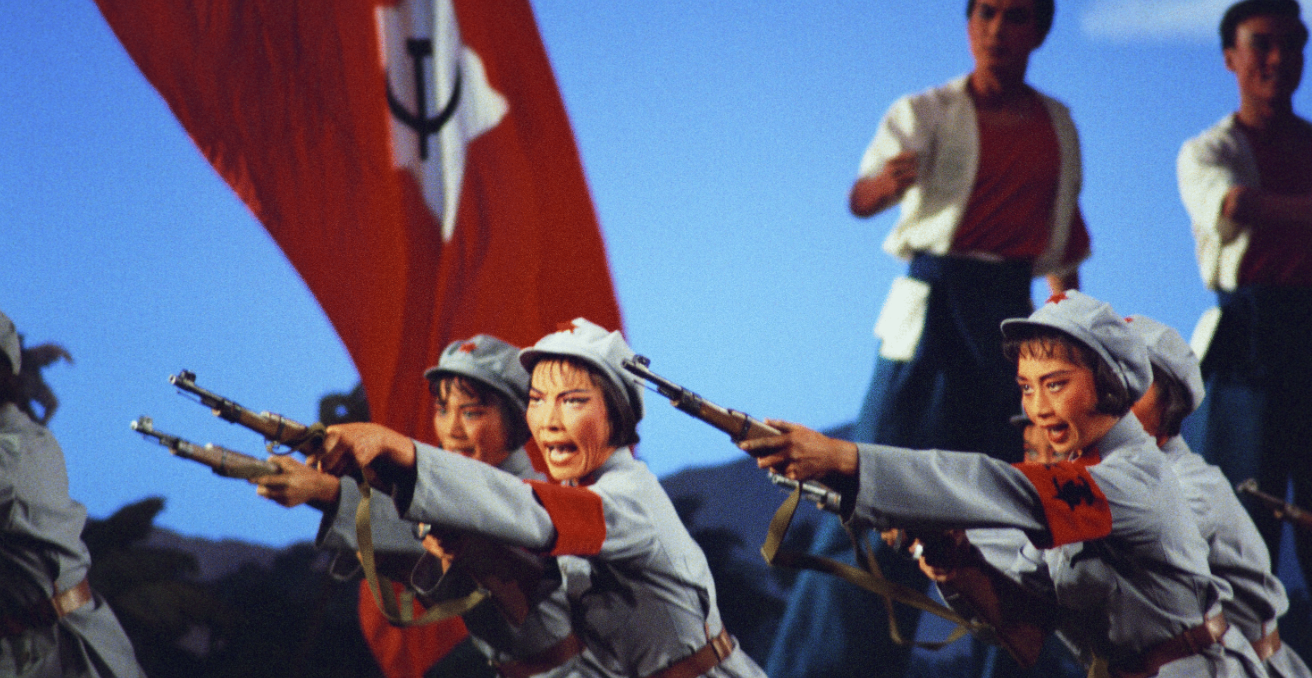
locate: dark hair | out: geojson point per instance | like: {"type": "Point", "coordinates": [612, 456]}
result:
{"type": "Point", "coordinates": [619, 414]}
{"type": "Point", "coordinates": [1042, 341]}
{"type": "Point", "coordinates": [28, 389]}
{"type": "Point", "coordinates": [1173, 402]}
{"type": "Point", "coordinates": [11, 385]}
{"type": "Point", "coordinates": [516, 426]}
{"type": "Point", "coordinates": [1043, 13]}
{"type": "Point", "coordinates": [1247, 9]}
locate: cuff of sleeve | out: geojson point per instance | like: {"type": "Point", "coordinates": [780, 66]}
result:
{"type": "Point", "coordinates": [337, 527]}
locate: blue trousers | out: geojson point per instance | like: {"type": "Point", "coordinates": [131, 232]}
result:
{"type": "Point", "coordinates": [1256, 420]}
{"type": "Point", "coordinates": [958, 391]}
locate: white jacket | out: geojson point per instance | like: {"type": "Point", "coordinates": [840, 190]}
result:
{"type": "Point", "coordinates": [1208, 166]}
{"type": "Point", "coordinates": [940, 125]}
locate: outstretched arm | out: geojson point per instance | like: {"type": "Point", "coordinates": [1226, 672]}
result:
{"type": "Point", "coordinates": [298, 484]}
{"type": "Point", "coordinates": [348, 448]}
{"type": "Point", "coordinates": [800, 453]}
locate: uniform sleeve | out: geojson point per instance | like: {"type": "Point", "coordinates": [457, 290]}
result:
{"type": "Point", "coordinates": [1236, 551]}
{"type": "Point", "coordinates": [391, 532]}
{"type": "Point", "coordinates": [930, 489]}
{"type": "Point", "coordinates": [616, 518]}
{"type": "Point", "coordinates": [459, 493]}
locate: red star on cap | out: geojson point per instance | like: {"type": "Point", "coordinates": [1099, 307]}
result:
{"type": "Point", "coordinates": [1060, 296]}
{"type": "Point", "coordinates": [565, 327]}
{"type": "Point", "coordinates": [468, 347]}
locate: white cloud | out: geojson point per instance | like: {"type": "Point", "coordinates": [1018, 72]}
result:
{"type": "Point", "coordinates": [1154, 20]}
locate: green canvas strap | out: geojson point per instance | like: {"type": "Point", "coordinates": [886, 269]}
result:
{"type": "Point", "coordinates": [399, 609]}
{"type": "Point", "coordinates": [870, 578]}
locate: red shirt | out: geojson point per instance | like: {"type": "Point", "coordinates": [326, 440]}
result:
{"type": "Point", "coordinates": [1280, 254]}
{"type": "Point", "coordinates": [1010, 209]}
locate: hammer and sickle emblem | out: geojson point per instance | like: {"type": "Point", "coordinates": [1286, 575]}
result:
{"type": "Point", "coordinates": [424, 126]}
{"type": "Point", "coordinates": [1074, 492]}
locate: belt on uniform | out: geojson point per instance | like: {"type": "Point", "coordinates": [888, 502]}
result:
{"type": "Point", "coordinates": [46, 612]}
{"type": "Point", "coordinates": [568, 648]}
{"type": "Point", "coordinates": [701, 661]}
{"type": "Point", "coordinates": [1267, 645]}
{"type": "Point", "coordinates": [1186, 644]}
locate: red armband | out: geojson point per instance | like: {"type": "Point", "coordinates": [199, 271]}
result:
{"type": "Point", "coordinates": [577, 514]}
{"type": "Point", "coordinates": [1073, 504]}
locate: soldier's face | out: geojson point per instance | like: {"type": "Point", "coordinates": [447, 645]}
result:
{"type": "Point", "coordinates": [568, 419]}
{"type": "Point", "coordinates": [468, 426]}
{"type": "Point", "coordinates": [1059, 397]}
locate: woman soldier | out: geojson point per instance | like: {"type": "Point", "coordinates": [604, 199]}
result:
{"type": "Point", "coordinates": [641, 593]}
{"type": "Point", "coordinates": [51, 622]}
{"type": "Point", "coordinates": [479, 394]}
{"type": "Point", "coordinates": [1236, 551]}
{"type": "Point", "coordinates": [1123, 568]}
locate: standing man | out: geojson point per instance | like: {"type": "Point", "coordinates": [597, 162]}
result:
{"type": "Point", "coordinates": [987, 172]}
{"type": "Point", "coordinates": [51, 622]}
{"type": "Point", "coordinates": [1247, 185]}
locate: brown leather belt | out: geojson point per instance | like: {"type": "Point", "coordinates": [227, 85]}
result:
{"type": "Point", "coordinates": [568, 648]}
{"type": "Point", "coordinates": [701, 661]}
{"type": "Point", "coordinates": [1267, 645]}
{"type": "Point", "coordinates": [1186, 644]}
{"type": "Point", "coordinates": [46, 612]}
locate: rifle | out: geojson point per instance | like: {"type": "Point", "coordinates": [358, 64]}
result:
{"type": "Point", "coordinates": [276, 429]}
{"type": "Point", "coordinates": [739, 425]}
{"type": "Point", "coordinates": [223, 461]}
{"type": "Point", "coordinates": [297, 437]}
{"type": "Point", "coordinates": [1282, 509]}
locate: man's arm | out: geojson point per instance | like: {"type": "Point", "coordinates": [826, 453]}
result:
{"type": "Point", "coordinates": [1249, 205]}
{"type": "Point", "coordinates": [873, 194]}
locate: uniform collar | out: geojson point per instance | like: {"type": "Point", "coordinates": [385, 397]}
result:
{"type": "Point", "coordinates": [620, 457]}
{"type": "Point", "coordinates": [1126, 433]}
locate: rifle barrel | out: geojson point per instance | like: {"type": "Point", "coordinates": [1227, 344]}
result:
{"type": "Point", "coordinates": [274, 427]}
{"type": "Point", "coordinates": [223, 461]}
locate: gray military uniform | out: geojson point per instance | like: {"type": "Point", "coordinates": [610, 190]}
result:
{"type": "Point", "coordinates": [1236, 553]}
{"type": "Point", "coordinates": [41, 550]}
{"type": "Point", "coordinates": [493, 635]}
{"type": "Point", "coordinates": [1145, 583]}
{"type": "Point", "coordinates": [643, 601]}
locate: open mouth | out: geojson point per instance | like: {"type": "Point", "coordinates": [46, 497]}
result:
{"type": "Point", "coordinates": [1058, 433]}
{"type": "Point", "coordinates": [560, 454]}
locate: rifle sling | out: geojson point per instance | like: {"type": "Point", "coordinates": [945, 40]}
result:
{"type": "Point", "coordinates": [869, 578]}
{"type": "Point", "coordinates": [399, 607]}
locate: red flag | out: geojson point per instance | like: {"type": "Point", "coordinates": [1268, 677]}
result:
{"type": "Point", "coordinates": [412, 159]}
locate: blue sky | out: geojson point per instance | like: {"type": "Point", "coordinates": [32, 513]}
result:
{"type": "Point", "coordinates": [719, 139]}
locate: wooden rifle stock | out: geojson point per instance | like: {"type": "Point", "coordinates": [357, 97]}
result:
{"type": "Point", "coordinates": [223, 461]}
{"type": "Point", "coordinates": [739, 425]}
